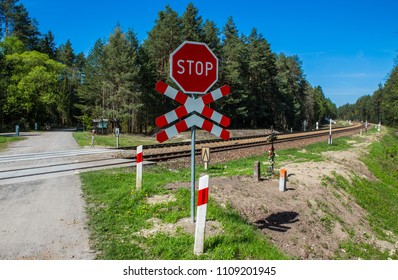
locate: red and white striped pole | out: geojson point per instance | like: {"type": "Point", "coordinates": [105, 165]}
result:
{"type": "Point", "coordinates": [189, 122]}
{"type": "Point", "coordinates": [139, 167]}
{"type": "Point", "coordinates": [203, 197]}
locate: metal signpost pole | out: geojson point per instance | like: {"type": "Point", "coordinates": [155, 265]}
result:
{"type": "Point", "coordinates": [193, 134]}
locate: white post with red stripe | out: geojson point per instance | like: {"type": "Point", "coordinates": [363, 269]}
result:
{"type": "Point", "coordinates": [139, 159]}
{"type": "Point", "coordinates": [203, 197]}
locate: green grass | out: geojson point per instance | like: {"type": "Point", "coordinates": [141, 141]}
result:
{"type": "Point", "coordinates": [117, 213]}
{"type": "Point", "coordinates": [5, 140]}
{"type": "Point", "coordinates": [363, 251]}
{"type": "Point", "coordinates": [125, 140]}
{"type": "Point", "coordinates": [379, 198]}
{"type": "Point", "coordinates": [314, 151]}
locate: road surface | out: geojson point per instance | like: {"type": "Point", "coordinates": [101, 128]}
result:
{"type": "Point", "coordinates": [42, 218]}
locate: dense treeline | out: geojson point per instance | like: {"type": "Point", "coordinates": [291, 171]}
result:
{"type": "Point", "coordinates": [47, 84]}
{"type": "Point", "coordinates": [381, 106]}
{"type": "Point", "coordinates": [38, 81]}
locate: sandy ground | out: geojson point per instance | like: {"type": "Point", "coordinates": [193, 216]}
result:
{"type": "Point", "coordinates": [43, 219]}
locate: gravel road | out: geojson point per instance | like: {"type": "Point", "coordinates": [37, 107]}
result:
{"type": "Point", "coordinates": [44, 219]}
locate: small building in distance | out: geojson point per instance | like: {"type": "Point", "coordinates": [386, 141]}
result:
{"type": "Point", "coordinates": [105, 126]}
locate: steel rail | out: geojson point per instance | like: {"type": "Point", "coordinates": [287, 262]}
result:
{"type": "Point", "coordinates": [186, 153]}
{"type": "Point", "coordinates": [206, 141]}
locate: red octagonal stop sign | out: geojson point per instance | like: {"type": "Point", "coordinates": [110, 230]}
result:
{"type": "Point", "coordinates": [194, 67]}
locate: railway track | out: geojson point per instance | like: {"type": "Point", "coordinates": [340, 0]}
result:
{"type": "Point", "coordinates": [66, 162]}
{"type": "Point", "coordinates": [233, 143]}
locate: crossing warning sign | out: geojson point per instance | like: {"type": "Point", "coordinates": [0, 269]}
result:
{"type": "Point", "coordinates": [205, 154]}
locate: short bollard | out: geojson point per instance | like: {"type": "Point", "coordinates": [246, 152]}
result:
{"type": "Point", "coordinates": [282, 180]}
{"type": "Point", "coordinates": [92, 137]}
{"type": "Point", "coordinates": [203, 197]}
{"type": "Point", "coordinates": [117, 134]}
{"type": "Point", "coordinates": [257, 171]}
{"type": "Point", "coordinates": [138, 161]}
{"type": "Point", "coordinates": [17, 130]}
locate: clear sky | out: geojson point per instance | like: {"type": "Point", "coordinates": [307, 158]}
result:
{"type": "Point", "coordinates": [347, 47]}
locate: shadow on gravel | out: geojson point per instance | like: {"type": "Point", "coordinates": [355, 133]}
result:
{"type": "Point", "coordinates": [277, 221]}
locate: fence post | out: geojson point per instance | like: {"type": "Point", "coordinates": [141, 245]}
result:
{"type": "Point", "coordinates": [257, 171]}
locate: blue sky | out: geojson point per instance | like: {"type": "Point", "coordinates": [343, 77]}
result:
{"type": "Point", "coordinates": [347, 47]}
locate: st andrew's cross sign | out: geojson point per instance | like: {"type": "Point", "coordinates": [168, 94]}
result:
{"type": "Point", "coordinates": [194, 68]}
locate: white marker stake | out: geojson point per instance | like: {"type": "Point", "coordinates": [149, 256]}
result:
{"type": "Point", "coordinates": [203, 196]}
{"type": "Point", "coordinates": [139, 167]}
{"type": "Point", "coordinates": [282, 180]}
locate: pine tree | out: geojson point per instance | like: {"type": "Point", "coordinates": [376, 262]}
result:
{"type": "Point", "coordinates": [293, 89]}
{"type": "Point", "coordinates": [121, 77]}
{"type": "Point", "coordinates": [390, 99]}
{"type": "Point", "coordinates": [211, 37]}
{"type": "Point", "coordinates": [7, 10]}
{"type": "Point", "coordinates": [261, 82]}
{"type": "Point", "coordinates": [90, 93]}
{"type": "Point", "coordinates": [233, 73]}
{"type": "Point", "coordinates": [47, 45]}
{"type": "Point", "coordinates": [163, 39]}
{"type": "Point", "coordinates": [25, 28]}
{"type": "Point", "coordinates": [192, 24]}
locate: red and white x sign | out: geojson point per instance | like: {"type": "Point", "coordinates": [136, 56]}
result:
{"type": "Point", "coordinates": [190, 105]}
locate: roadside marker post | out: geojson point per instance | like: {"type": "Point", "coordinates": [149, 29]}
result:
{"type": "Point", "coordinates": [117, 133]}
{"type": "Point", "coordinates": [257, 171]}
{"type": "Point", "coordinates": [139, 159]}
{"type": "Point", "coordinates": [203, 197]}
{"type": "Point", "coordinates": [282, 180]}
{"type": "Point", "coordinates": [330, 140]}
{"type": "Point", "coordinates": [92, 137]}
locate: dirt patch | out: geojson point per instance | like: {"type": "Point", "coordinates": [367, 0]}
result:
{"type": "Point", "coordinates": [157, 199]}
{"type": "Point", "coordinates": [157, 226]}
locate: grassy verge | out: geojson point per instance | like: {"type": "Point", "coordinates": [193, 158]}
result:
{"type": "Point", "coordinates": [5, 140]}
{"type": "Point", "coordinates": [84, 139]}
{"type": "Point", "coordinates": [117, 214]}
{"type": "Point", "coordinates": [379, 198]}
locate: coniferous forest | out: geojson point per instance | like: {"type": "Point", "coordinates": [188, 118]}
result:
{"type": "Point", "coordinates": [47, 83]}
